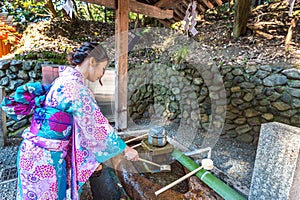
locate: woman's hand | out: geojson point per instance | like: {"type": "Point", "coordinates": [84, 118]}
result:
{"type": "Point", "coordinates": [131, 154]}
{"type": "Point", "coordinates": [99, 168]}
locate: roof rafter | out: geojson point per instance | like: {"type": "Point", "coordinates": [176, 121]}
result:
{"type": "Point", "coordinates": [208, 4]}
{"type": "Point", "coordinates": [219, 2]}
{"type": "Point", "coordinates": [166, 4]}
{"type": "Point", "coordinates": [137, 7]}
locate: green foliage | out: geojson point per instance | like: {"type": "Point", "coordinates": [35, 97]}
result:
{"type": "Point", "coordinates": [49, 56]}
{"type": "Point", "coordinates": [134, 16]}
{"type": "Point", "coordinates": [176, 25]}
{"type": "Point", "coordinates": [25, 10]}
{"type": "Point", "coordinates": [296, 13]}
{"type": "Point", "coordinates": [30, 11]}
{"type": "Point", "coordinates": [180, 55]}
{"type": "Point", "coordinates": [98, 13]}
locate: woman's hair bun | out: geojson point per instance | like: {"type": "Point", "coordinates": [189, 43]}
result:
{"type": "Point", "coordinates": [88, 49]}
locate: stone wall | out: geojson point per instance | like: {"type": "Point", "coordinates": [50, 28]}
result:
{"type": "Point", "coordinates": [14, 73]}
{"type": "Point", "coordinates": [254, 95]}
{"type": "Point", "coordinates": [258, 95]}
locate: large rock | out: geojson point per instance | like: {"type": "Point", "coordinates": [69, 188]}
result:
{"type": "Point", "coordinates": [275, 79]}
{"type": "Point", "coordinates": [4, 65]}
{"type": "Point", "coordinates": [276, 171]}
{"type": "Point", "coordinates": [292, 73]}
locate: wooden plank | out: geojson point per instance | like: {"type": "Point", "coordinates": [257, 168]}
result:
{"type": "Point", "coordinates": [219, 2]}
{"type": "Point", "coordinates": [179, 14]}
{"type": "Point", "coordinates": [105, 3]}
{"type": "Point", "coordinates": [149, 10]}
{"type": "Point", "coordinates": [3, 129]}
{"type": "Point", "coordinates": [167, 4]}
{"type": "Point", "coordinates": [200, 7]}
{"type": "Point", "coordinates": [121, 31]}
{"type": "Point", "coordinates": [208, 4]}
{"type": "Point", "coordinates": [180, 11]}
{"type": "Point", "coordinates": [137, 7]}
{"type": "Point", "coordinates": [185, 5]}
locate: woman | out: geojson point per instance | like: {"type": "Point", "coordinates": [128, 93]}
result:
{"type": "Point", "coordinates": [68, 138]}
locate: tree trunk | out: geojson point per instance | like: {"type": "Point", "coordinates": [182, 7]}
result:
{"type": "Point", "coordinates": [51, 8]}
{"type": "Point", "coordinates": [242, 9]}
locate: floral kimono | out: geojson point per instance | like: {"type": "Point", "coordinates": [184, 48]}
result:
{"type": "Point", "coordinates": [67, 140]}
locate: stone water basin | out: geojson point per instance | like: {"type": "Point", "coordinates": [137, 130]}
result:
{"type": "Point", "coordinates": [137, 180]}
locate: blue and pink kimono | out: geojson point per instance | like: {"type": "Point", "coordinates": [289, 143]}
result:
{"type": "Point", "coordinates": [67, 140]}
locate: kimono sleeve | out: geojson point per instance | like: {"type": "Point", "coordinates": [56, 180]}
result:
{"type": "Point", "coordinates": [92, 129]}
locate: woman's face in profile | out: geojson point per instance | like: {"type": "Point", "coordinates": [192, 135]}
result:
{"type": "Point", "coordinates": [97, 71]}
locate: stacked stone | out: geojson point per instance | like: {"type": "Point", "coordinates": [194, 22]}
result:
{"type": "Point", "coordinates": [182, 94]}
{"type": "Point", "coordinates": [258, 95]}
{"type": "Point", "coordinates": [14, 73]}
{"type": "Point", "coordinates": [193, 96]}
{"type": "Point", "coordinates": [166, 93]}
{"type": "Point", "coordinates": [254, 95]}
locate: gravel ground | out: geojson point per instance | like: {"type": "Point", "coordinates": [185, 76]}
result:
{"type": "Point", "coordinates": [8, 183]}
{"type": "Point", "coordinates": [236, 160]}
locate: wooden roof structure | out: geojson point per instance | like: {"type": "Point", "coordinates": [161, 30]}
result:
{"type": "Point", "coordinates": [168, 11]}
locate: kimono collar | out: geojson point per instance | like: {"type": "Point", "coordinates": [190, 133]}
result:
{"type": "Point", "coordinates": [71, 73]}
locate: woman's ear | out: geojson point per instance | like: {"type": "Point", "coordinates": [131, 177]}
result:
{"type": "Point", "coordinates": [92, 61]}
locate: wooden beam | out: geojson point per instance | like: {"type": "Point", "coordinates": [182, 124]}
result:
{"type": "Point", "coordinates": [3, 129]}
{"type": "Point", "coordinates": [105, 3]}
{"type": "Point", "coordinates": [179, 14]}
{"type": "Point", "coordinates": [208, 4]}
{"type": "Point", "coordinates": [167, 4]}
{"type": "Point", "coordinates": [219, 2]}
{"type": "Point", "coordinates": [149, 10]}
{"type": "Point", "coordinates": [200, 7]}
{"type": "Point", "coordinates": [175, 19]}
{"type": "Point", "coordinates": [185, 4]}
{"type": "Point", "coordinates": [137, 7]}
{"type": "Point", "coordinates": [121, 32]}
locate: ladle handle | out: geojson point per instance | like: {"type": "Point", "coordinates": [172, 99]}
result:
{"type": "Point", "coordinates": [137, 145]}
{"type": "Point", "coordinates": [178, 181]}
{"type": "Point", "coordinates": [141, 136]}
{"type": "Point", "coordinates": [148, 161]}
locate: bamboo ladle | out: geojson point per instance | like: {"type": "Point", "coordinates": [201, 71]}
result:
{"type": "Point", "coordinates": [163, 168]}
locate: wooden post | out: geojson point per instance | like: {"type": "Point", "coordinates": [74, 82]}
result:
{"type": "Point", "coordinates": [121, 31]}
{"type": "Point", "coordinates": [3, 130]}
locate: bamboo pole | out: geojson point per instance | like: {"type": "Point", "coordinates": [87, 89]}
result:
{"type": "Point", "coordinates": [208, 178]}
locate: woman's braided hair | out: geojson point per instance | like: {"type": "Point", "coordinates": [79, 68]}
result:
{"type": "Point", "coordinates": [88, 49]}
